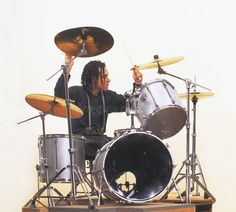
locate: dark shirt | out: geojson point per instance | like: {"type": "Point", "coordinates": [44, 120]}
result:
{"type": "Point", "coordinates": [113, 103]}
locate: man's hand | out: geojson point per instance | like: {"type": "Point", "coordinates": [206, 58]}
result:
{"type": "Point", "coordinates": [69, 60]}
{"type": "Point", "coordinates": [137, 76]}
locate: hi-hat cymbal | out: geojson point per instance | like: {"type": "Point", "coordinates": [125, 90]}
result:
{"type": "Point", "coordinates": [84, 41]}
{"type": "Point", "coordinates": [162, 62]}
{"type": "Point", "coordinates": [52, 105]}
{"type": "Point", "coordinates": [199, 95]}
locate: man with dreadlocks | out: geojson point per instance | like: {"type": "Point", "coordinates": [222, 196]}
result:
{"type": "Point", "coordinates": [96, 102]}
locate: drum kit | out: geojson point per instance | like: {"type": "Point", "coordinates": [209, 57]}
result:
{"type": "Point", "coordinates": [138, 151]}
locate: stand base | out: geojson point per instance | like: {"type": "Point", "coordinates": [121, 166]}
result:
{"type": "Point", "coordinates": [111, 206]}
{"type": "Point", "coordinates": [200, 202]}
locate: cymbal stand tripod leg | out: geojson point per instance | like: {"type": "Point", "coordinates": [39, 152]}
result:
{"type": "Point", "coordinates": [36, 197]}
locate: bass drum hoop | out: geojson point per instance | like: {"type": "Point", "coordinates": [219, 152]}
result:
{"type": "Point", "coordinates": [140, 153]}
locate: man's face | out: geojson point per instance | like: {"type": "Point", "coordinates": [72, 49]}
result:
{"type": "Point", "coordinates": [103, 82]}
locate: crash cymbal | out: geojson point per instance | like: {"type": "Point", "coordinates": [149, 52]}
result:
{"type": "Point", "coordinates": [52, 105]}
{"type": "Point", "coordinates": [162, 62]}
{"type": "Point", "coordinates": [84, 41]}
{"type": "Point", "coordinates": [199, 95]}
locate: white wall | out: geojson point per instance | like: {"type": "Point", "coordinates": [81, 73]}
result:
{"type": "Point", "coordinates": [202, 31]}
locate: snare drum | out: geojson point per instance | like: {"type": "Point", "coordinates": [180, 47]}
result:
{"type": "Point", "coordinates": [159, 109]}
{"type": "Point", "coordinates": [55, 152]}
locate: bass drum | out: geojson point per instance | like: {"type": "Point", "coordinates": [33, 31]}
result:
{"type": "Point", "coordinates": [140, 155]}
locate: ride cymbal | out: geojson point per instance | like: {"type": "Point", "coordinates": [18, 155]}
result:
{"type": "Point", "coordinates": [52, 105]}
{"type": "Point", "coordinates": [84, 41]}
{"type": "Point", "coordinates": [199, 95]}
{"type": "Point", "coordinates": [161, 62]}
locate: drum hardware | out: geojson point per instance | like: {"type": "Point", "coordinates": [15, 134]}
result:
{"type": "Point", "coordinates": [45, 164]}
{"type": "Point", "coordinates": [190, 161]}
{"type": "Point", "coordinates": [131, 109]}
{"type": "Point", "coordinates": [73, 171]}
{"type": "Point", "coordinates": [132, 104]}
{"type": "Point", "coordinates": [195, 96]}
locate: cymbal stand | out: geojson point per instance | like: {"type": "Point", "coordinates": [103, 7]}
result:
{"type": "Point", "coordinates": [186, 163]}
{"type": "Point", "coordinates": [45, 161]}
{"type": "Point", "coordinates": [194, 159]}
{"type": "Point", "coordinates": [72, 149]}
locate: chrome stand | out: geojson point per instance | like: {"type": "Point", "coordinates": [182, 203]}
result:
{"type": "Point", "coordinates": [45, 161]}
{"type": "Point", "coordinates": [190, 162]}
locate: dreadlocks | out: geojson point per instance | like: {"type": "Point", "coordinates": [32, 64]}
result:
{"type": "Point", "coordinates": [91, 73]}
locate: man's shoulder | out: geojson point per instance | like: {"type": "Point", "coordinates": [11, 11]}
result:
{"type": "Point", "coordinates": [76, 87]}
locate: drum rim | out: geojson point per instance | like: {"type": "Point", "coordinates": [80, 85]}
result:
{"type": "Point", "coordinates": [54, 135]}
{"type": "Point", "coordinates": [143, 120]}
{"type": "Point", "coordinates": [166, 107]}
{"type": "Point", "coordinates": [157, 80]}
{"type": "Point", "coordinates": [111, 189]}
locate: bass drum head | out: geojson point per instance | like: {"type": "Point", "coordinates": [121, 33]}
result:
{"type": "Point", "coordinates": [145, 157]}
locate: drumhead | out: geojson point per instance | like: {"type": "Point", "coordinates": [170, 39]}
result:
{"type": "Point", "coordinates": [141, 154]}
{"type": "Point", "coordinates": [160, 109]}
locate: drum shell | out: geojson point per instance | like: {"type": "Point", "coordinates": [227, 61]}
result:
{"type": "Point", "coordinates": [142, 154]}
{"type": "Point", "coordinates": [55, 151]}
{"type": "Point", "coordinates": [160, 109]}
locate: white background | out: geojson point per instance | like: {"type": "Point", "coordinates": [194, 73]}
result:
{"type": "Point", "coordinates": [203, 32]}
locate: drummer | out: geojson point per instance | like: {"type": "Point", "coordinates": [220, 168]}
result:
{"type": "Point", "coordinates": [95, 100]}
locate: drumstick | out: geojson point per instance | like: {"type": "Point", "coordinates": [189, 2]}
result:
{"type": "Point", "coordinates": [130, 59]}
{"type": "Point", "coordinates": [127, 53]}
